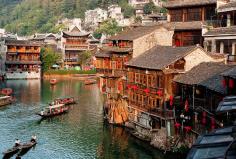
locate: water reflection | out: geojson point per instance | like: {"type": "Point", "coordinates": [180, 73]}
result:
{"type": "Point", "coordinates": [79, 134]}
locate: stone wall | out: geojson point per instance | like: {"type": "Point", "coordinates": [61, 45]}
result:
{"type": "Point", "coordinates": [196, 57]}
{"type": "Point", "coordinates": [23, 75]}
{"type": "Point", "coordinates": [160, 36]}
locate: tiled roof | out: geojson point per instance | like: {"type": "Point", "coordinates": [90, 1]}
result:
{"type": "Point", "coordinates": [24, 62]}
{"type": "Point", "coordinates": [102, 54]}
{"type": "Point", "coordinates": [137, 32]}
{"type": "Point", "coordinates": [205, 74]}
{"type": "Point", "coordinates": [178, 26]}
{"type": "Point", "coordinates": [221, 31]}
{"type": "Point", "coordinates": [227, 7]}
{"type": "Point", "coordinates": [230, 73]}
{"type": "Point", "coordinates": [79, 34]}
{"type": "Point", "coordinates": [159, 57]}
{"type": "Point", "coordinates": [187, 3]}
{"type": "Point", "coordinates": [117, 49]}
{"type": "Point", "coordinates": [22, 43]}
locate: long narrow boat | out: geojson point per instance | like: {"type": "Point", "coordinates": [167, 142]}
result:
{"type": "Point", "coordinates": [12, 151]}
{"type": "Point", "coordinates": [54, 110]}
{"type": "Point", "coordinates": [66, 101]}
{"type": "Point", "coordinates": [5, 100]}
{"type": "Point", "coordinates": [90, 81]}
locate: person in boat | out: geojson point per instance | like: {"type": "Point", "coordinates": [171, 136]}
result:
{"type": "Point", "coordinates": [33, 138]}
{"type": "Point", "coordinates": [17, 143]}
{"type": "Point", "coordinates": [42, 112]}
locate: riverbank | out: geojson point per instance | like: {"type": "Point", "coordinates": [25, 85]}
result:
{"type": "Point", "coordinates": [80, 75]}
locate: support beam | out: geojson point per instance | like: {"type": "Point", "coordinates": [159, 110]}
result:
{"type": "Point", "coordinates": [213, 46]}
{"type": "Point", "coordinates": [221, 47]}
{"type": "Point", "coordinates": [228, 20]}
{"type": "Point", "coordinates": [233, 48]}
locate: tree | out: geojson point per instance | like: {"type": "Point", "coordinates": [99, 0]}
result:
{"type": "Point", "coordinates": [149, 8]}
{"type": "Point", "coordinates": [49, 57]}
{"type": "Point", "coordinates": [84, 57]}
{"type": "Point", "coordinates": [108, 27]}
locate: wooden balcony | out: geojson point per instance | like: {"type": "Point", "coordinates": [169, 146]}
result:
{"type": "Point", "coordinates": [231, 59]}
{"type": "Point", "coordinates": [76, 47]}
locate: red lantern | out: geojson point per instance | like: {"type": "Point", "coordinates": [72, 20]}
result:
{"type": "Point", "coordinates": [224, 83]}
{"type": "Point", "coordinates": [213, 124]}
{"type": "Point", "coordinates": [204, 118]}
{"type": "Point", "coordinates": [110, 44]}
{"type": "Point", "coordinates": [231, 83]}
{"type": "Point", "coordinates": [177, 125]}
{"type": "Point", "coordinates": [129, 86]}
{"type": "Point", "coordinates": [120, 85]}
{"type": "Point", "coordinates": [186, 106]}
{"type": "Point", "coordinates": [187, 128]}
{"type": "Point", "coordinates": [135, 87]}
{"type": "Point", "coordinates": [146, 90]}
{"type": "Point", "coordinates": [159, 92]}
{"type": "Point", "coordinates": [171, 100]}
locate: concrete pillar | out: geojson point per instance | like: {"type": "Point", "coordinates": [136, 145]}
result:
{"type": "Point", "coordinates": [228, 20]}
{"type": "Point", "coordinates": [213, 46]}
{"type": "Point", "coordinates": [233, 48]}
{"type": "Point", "coordinates": [221, 47]}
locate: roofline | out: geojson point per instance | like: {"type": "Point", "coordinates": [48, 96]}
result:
{"type": "Point", "coordinates": [187, 53]}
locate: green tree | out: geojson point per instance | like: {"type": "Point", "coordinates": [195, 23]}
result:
{"type": "Point", "coordinates": [49, 57]}
{"type": "Point", "coordinates": [149, 8]}
{"type": "Point", "coordinates": [108, 27]}
{"type": "Point", "coordinates": [84, 57]}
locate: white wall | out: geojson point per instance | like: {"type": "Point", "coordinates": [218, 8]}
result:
{"type": "Point", "coordinates": [23, 75]}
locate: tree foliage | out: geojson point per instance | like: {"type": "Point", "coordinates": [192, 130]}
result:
{"type": "Point", "coordinates": [27, 17]}
{"type": "Point", "coordinates": [49, 57]}
{"type": "Point", "coordinates": [108, 27]}
{"type": "Point", "coordinates": [84, 57]}
{"type": "Point", "coordinates": [149, 8]}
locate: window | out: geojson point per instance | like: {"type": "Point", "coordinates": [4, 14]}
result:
{"type": "Point", "coordinates": [137, 77]}
{"type": "Point", "coordinates": [194, 14]}
{"type": "Point", "coordinates": [176, 15]}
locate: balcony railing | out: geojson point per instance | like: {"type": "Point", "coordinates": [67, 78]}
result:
{"type": "Point", "coordinates": [111, 72]}
{"type": "Point", "coordinates": [231, 58]}
{"type": "Point", "coordinates": [76, 47]}
{"type": "Point", "coordinates": [216, 23]}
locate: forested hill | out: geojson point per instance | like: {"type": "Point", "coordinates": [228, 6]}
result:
{"type": "Point", "coordinates": [26, 17]}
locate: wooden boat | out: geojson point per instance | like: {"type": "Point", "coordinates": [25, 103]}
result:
{"type": "Point", "coordinates": [53, 81]}
{"type": "Point", "coordinates": [66, 101]}
{"type": "Point", "coordinates": [28, 145]}
{"type": "Point", "coordinates": [54, 110]}
{"type": "Point", "coordinates": [5, 100]}
{"type": "Point", "coordinates": [6, 91]}
{"type": "Point", "coordinates": [90, 81]}
{"type": "Point", "coordinates": [12, 151]}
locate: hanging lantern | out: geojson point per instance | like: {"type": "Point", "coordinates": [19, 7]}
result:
{"type": "Point", "coordinates": [187, 129]}
{"type": "Point", "coordinates": [147, 90]}
{"type": "Point", "coordinates": [159, 92]}
{"type": "Point", "coordinates": [135, 87]}
{"type": "Point", "coordinates": [129, 86]}
{"type": "Point", "coordinates": [120, 85]}
{"type": "Point", "coordinates": [198, 91]}
{"type": "Point", "coordinates": [231, 83]}
{"type": "Point", "coordinates": [186, 106]}
{"type": "Point", "coordinates": [213, 124]}
{"type": "Point", "coordinates": [171, 100]}
{"type": "Point", "coordinates": [204, 118]}
{"type": "Point", "coordinates": [224, 83]}
{"type": "Point", "coordinates": [177, 126]}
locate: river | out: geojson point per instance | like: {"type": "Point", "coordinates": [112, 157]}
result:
{"type": "Point", "coordinates": [80, 134]}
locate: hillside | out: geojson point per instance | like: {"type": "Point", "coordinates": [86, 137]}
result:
{"type": "Point", "coordinates": [26, 17]}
